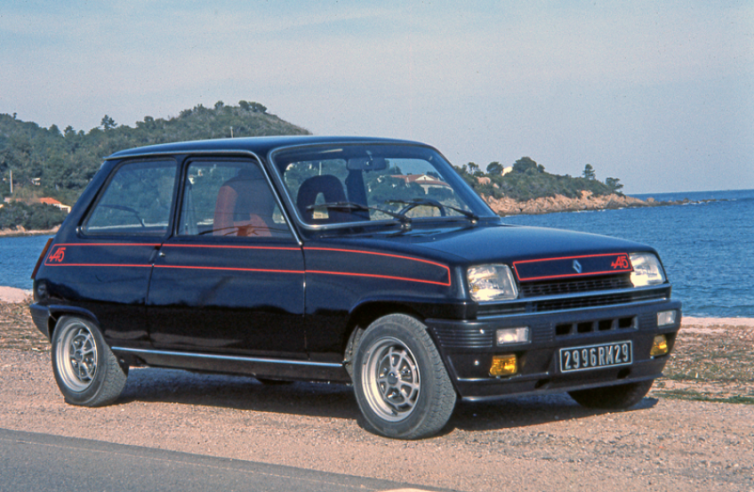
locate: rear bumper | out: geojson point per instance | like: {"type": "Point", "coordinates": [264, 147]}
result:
{"type": "Point", "coordinates": [467, 348]}
{"type": "Point", "coordinates": [41, 317]}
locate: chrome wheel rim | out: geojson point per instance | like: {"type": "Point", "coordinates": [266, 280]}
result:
{"type": "Point", "coordinates": [391, 379]}
{"type": "Point", "coordinates": [77, 357]}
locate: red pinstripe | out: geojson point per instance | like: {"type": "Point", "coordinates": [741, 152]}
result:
{"type": "Point", "coordinates": [261, 270]}
{"type": "Point", "coordinates": [447, 269]}
{"type": "Point", "coordinates": [372, 275]}
{"type": "Point", "coordinates": [283, 248]}
{"type": "Point", "coordinates": [233, 269]}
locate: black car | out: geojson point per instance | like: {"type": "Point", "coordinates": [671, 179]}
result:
{"type": "Point", "coordinates": [352, 260]}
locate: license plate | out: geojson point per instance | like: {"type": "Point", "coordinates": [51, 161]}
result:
{"type": "Point", "coordinates": [596, 356]}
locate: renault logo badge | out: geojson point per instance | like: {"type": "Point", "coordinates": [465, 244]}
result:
{"type": "Point", "coordinates": [577, 266]}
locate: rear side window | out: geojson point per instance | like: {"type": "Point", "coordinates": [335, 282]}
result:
{"type": "Point", "coordinates": [137, 200]}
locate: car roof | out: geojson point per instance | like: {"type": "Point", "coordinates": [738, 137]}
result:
{"type": "Point", "coordinates": [259, 145]}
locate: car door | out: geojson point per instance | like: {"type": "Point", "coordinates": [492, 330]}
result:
{"type": "Point", "coordinates": [231, 279]}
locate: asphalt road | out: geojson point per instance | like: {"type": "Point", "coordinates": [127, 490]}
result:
{"type": "Point", "coordinates": [43, 462]}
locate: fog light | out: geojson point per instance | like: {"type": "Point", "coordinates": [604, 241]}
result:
{"type": "Point", "coordinates": [503, 365]}
{"type": "Point", "coordinates": [512, 335]}
{"type": "Point", "coordinates": [665, 318]}
{"type": "Point", "coordinates": [659, 346]}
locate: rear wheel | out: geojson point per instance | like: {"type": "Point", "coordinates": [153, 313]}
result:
{"type": "Point", "coordinates": [86, 370]}
{"type": "Point", "coordinates": [613, 397]}
{"type": "Point", "coordinates": [400, 381]}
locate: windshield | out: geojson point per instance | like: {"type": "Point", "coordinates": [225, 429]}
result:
{"type": "Point", "coordinates": [342, 184]}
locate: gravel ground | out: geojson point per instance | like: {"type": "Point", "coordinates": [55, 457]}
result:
{"type": "Point", "coordinates": [543, 443]}
{"type": "Point", "coordinates": [694, 432]}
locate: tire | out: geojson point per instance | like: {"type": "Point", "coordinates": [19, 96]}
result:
{"type": "Point", "coordinates": [86, 370]}
{"type": "Point", "coordinates": [613, 397]}
{"type": "Point", "coordinates": [400, 381]}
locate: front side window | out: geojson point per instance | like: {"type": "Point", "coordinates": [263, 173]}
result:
{"type": "Point", "coordinates": [229, 199]}
{"type": "Point", "coordinates": [137, 200]}
{"type": "Point", "coordinates": [334, 184]}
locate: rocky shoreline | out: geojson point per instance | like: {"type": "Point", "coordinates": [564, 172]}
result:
{"type": "Point", "coordinates": [21, 231]}
{"type": "Point", "coordinates": [587, 201]}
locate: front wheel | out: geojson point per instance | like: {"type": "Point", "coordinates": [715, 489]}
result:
{"type": "Point", "coordinates": [400, 381]}
{"type": "Point", "coordinates": [613, 397]}
{"type": "Point", "coordinates": [86, 370]}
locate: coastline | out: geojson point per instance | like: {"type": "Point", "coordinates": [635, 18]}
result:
{"type": "Point", "coordinates": [587, 201]}
{"type": "Point", "coordinates": [501, 206]}
{"type": "Point", "coordinates": [20, 231]}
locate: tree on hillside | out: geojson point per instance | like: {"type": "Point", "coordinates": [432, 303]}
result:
{"type": "Point", "coordinates": [494, 168]}
{"type": "Point", "coordinates": [258, 108]}
{"type": "Point", "coordinates": [474, 169]}
{"type": "Point", "coordinates": [108, 123]}
{"type": "Point", "coordinates": [254, 107]}
{"type": "Point", "coordinates": [589, 172]}
{"type": "Point", "coordinates": [525, 165]}
{"type": "Point", "coordinates": [613, 184]}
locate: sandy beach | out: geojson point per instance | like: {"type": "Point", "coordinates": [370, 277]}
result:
{"type": "Point", "coordinates": [13, 295]}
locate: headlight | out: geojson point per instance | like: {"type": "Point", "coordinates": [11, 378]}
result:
{"type": "Point", "coordinates": [647, 270]}
{"type": "Point", "coordinates": [492, 283]}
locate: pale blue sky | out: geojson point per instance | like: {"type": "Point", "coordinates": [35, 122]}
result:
{"type": "Point", "coordinates": [658, 94]}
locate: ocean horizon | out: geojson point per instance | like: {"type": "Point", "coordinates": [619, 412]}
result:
{"type": "Point", "coordinates": [706, 246]}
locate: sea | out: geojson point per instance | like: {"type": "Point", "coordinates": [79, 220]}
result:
{"type": "Point", "coordinates": [706, 246]}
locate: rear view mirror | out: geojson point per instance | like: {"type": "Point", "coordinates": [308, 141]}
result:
{"type": "Point", "coordinates": [366, 164]}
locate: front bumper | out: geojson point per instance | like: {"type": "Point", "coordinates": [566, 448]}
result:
{"type": "Point", "coordinates": [467, 347]}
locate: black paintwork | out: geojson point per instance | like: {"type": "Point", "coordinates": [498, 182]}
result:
{"type": "Point", "coordinates": [287, 307]}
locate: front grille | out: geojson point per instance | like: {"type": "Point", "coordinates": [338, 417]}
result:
{"type": "Point", "coordinates": [550, 288]}
{"type": "Point", "coordinates": [523, 306]}
{"type": "Point", "coordinates": [581, 302]}
{"type": "Point", "coordinates": [597, 300]}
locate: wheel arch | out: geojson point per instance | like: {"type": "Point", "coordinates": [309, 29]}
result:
{"type": "Point", "coordinates": [364, 314]}
{"type": "Point", "coordinates": [57, 312]}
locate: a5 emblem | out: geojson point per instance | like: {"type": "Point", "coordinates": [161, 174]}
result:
{"type": "Point", "coordinates": [58, 256]}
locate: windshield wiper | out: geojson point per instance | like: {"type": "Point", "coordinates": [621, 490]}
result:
{"type": "Point", "coordinates": [405, 221]}
{"type": "Point", "coordinates": [418, 202]}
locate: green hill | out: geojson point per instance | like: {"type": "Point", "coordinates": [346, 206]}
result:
{"type": "Point", "coordinates": [59, 164]}
{"type": "Point", "coordinates": [527, 180]}
{"type": "Point", "coordinates": [47, 162]}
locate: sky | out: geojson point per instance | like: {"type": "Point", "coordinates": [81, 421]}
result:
{"type": "Point", "coordinates": [659, 94]}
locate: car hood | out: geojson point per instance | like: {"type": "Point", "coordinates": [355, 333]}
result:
{"type": "Point", "coordinates": [501, 243]}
